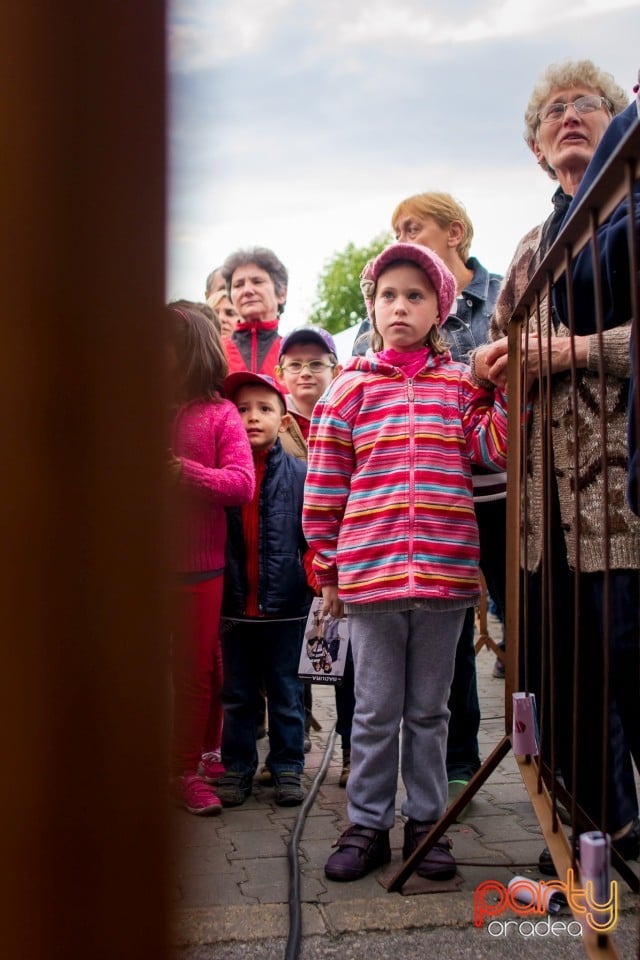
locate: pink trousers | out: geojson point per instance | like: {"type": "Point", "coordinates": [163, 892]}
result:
{"type": "Point", "coordinates": [197, 673]}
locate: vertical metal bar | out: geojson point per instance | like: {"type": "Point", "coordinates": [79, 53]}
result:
{"type": "Point", "coordinates": [516, 465]}
{"type": "Point", "coordinates": [606, 611]}
{"type": "Point", "coordinates": [546, 413]}
{"type": "Point", "coordinates": [577, 528]}
{"type": "Point", "coordinates": [634, 273]}
{"type": "Point", "coordinates": [522, 477]}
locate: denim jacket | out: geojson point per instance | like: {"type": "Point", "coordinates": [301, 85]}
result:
{"type": "Point", "coordinates": [468, 327]}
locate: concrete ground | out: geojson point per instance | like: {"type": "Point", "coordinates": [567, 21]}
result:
{"type": "Point", "coordinates": [230, 883]}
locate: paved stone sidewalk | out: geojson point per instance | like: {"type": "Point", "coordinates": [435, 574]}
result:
{"type": "Point", "coordinates": [231, 881]}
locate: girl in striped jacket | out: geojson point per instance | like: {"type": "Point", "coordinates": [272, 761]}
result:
{"type": "Point", "coordinates": [389, 513]}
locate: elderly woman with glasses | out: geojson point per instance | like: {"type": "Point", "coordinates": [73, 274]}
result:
{"type": "Point", "coordinates": [567, 115]}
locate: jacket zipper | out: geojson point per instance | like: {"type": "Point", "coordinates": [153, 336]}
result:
{"type": "Point", "coordinates": [412, 471]}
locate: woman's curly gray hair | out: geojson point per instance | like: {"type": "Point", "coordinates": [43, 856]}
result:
{"type": "Point", "coordinates": [570, 73]}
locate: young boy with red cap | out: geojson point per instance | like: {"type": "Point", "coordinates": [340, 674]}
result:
{"type": "Point", "coordinates": [266, 603]}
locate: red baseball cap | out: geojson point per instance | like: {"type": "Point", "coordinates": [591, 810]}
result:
{"type": "Point", "coordinates": [234, 381]}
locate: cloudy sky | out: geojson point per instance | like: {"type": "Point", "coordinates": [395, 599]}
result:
{"type": "Point", "coordinates": [300, 124]}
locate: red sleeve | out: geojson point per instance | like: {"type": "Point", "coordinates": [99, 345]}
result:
{"type": "Point", "coordinates": [312, 580]}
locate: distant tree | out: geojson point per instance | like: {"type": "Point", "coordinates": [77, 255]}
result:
{"type": "Point", "coordinates": [338, 303]}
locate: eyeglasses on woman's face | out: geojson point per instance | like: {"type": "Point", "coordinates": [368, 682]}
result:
{"type": "Point", "coordinates": [554, 112]}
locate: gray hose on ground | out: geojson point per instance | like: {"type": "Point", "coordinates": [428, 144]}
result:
{"type": "Point", "coordinates": [295, 912]}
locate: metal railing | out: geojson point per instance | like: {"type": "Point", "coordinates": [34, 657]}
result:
{"type": "Point", "coordinates": [533, 656]}
{"type": "Point", "coordinates": [568, 659]}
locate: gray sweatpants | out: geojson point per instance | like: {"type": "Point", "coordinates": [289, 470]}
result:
{"type": "Point", "coordinates": [403, 670]}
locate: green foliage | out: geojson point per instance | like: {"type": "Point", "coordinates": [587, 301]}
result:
{"type": "Point", "coordinates": [338, 303]}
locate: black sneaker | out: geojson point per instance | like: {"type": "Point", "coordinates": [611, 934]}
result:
{"type": "Point", "coordinates": [265, 778]}
{"type": "Point", "coordinates": [498, 671]}
{"type": "Point", "coordinates": [234, 787]}
{"type": "Point", "coordinates": [288, 788]}
{"type": "Point", "coordinates": [627, 846]}
{"type": "Point", "coordinates": [346, 768]}
{"type": "Point", "coordinates": [454, 789]}
{"type": "Point", "coordinates": [546, 866]}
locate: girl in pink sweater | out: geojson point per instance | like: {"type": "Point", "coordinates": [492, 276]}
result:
{"type": "Point", "coordinates": [211, 463]}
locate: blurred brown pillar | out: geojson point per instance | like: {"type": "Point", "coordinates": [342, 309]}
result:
{"type": "Point", "coordinates": [83, 671]}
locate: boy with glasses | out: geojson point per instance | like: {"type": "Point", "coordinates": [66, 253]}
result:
{"type": "Point", "coordinates": [307, 364]}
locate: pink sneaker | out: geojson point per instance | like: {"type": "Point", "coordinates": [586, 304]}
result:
{"type": "Point", "coordinates": [196, 796]}
{"type": "Point", "coordinates": [211, 768]}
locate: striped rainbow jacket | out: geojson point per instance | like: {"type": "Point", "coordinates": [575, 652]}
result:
{"type": "Point", "coordinates": [388, 505]}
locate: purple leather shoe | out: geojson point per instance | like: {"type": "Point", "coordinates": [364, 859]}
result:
{"type": "Point", "coordinates": [360, 850]}
{"type": "Point", "coordinates": [438, 863]}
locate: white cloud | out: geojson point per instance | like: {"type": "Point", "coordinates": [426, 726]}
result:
{"type": "Point", "coordinates": [513, 18]}
{"type": "Point", "coordinates": [441, 24]}
{"type": "Point", "coordinates": [306, 141]}
{"type": "Point", "coordinates": [204, 34]}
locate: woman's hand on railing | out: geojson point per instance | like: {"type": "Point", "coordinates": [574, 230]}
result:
{"type": "Point", "coordinates": [543, 355]}
{"type": "Point", "coordinates": [553, 356]}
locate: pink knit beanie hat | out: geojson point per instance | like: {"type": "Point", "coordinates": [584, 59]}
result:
{"type": "Point", "coordinates": [438, 275]}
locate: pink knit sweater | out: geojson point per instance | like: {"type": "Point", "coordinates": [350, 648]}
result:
{"type": "Point", "coordinates": [217, 472]}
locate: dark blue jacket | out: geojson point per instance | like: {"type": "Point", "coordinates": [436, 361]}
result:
{"type": "Point", "coordinates": [613, 240]}
{"type": "Point", "coordinates": [633, 490]}
{"type": "Point", "coordinates": [613, 246]}
{"type": "Point", "coordinates": [282, 583]}
{"type": "Point", "coordinates": [468, 327]}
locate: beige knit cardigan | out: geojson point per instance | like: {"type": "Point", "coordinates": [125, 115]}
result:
{"type": "Point", "coordinates": [624, 526]}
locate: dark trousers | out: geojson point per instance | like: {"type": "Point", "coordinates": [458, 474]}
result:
{"type": "Point", "coordinates": [463, 758]}
{"type": "Point", "coordinates": [255, 653]}
{"type": "Point", "coordinates": [592, 701]}
{"type": "Point", "coordinates": [345, 702]}
{"type": "Point", "coordinates": [492, 526]}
